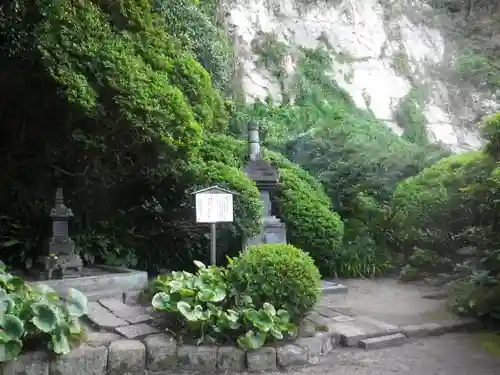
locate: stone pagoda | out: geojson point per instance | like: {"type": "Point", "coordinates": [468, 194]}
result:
{"type": "Point", "coordinates": [266, 178]}
{"type": "Point", "coordinates": [62, 260]}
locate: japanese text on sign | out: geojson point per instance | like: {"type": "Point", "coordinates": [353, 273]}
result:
{"type": "Point", "coordinates": [214, 208]}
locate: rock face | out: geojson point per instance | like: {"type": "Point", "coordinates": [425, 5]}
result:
{"type": "Point", "coordinates": [382, 52]}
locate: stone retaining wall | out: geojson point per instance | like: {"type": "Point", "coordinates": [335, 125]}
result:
{"type": "Point", "coordinates": [108, 353]}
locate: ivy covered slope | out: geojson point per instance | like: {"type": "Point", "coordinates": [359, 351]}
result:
{"type": "Point", "coordinates": [98, 97]}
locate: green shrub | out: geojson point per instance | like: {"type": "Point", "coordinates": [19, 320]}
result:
{"type": "Point", "coordinates": [423, 263]}
{"type": "Point", "coordinates": [282, 275]}
{"type": "Point", "coordinates": [35, 315]}
{"type": "Point", "coordinates": [305, 208]}
{"type": "Point", "coordinates": [300, 200]}
{"type": "Point", "coordinates": [207, 306]}
{"type": "Point", "coordinates": [433, 208]}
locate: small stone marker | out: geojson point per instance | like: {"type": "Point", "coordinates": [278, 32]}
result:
{"type": "Point", "coordinates": [136, 330]}
{"type": "Point", "coordinates": [102, 317]}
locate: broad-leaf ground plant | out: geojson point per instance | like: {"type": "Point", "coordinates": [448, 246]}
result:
{"type": "Point", "coordinates": [211, 305]}
{"type": "Point", "coordinates": [34, 316]}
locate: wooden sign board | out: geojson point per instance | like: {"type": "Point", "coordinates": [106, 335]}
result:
{"type": "Point", "coordinates": [214, 205]}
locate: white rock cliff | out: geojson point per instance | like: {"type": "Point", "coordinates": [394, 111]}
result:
{"type": "Point", "coordinates": [373, 34]}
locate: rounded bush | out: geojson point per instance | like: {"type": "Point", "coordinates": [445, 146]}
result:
{"type": "Point", "coordinates": [282, 275]}
{"type": "Point", "coordinates": [434, 207]}
{"type": "Point", "coordinates": [312, 225]}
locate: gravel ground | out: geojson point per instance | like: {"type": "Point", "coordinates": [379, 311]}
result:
{"type": "Point", "coordinates": [390, 301]}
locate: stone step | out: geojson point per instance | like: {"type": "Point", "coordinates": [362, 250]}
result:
{"type": "Point", "coordinates": [352, 330]}
{"type": "Point", "coordinates": [129, 297]}
{"type": "Point", "coordinates": [99, 294]}
{"type": "Point", "coordinates": [383, 341]}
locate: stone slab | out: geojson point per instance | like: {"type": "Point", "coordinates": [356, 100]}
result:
{"type": "Point", "coordinates": [34, 363]}
{"type": "Point", "coordinates": [343, 318]}
{"type": "Point", "coordinates": [102, 317]}
{"type": "Point", "coordinates": [362, 327]}
{"type": "Point", "coordinates": [383, 341]}
{"type": "Point", "coordinates": [136, 330]}
{"type": "Point", "coordinates": [98, 294]}
{"type": "Point", "coordinates": [262, 359]}
{"type": "Point", "coordinates": [132, 314]}
{"type": "Point", "coordinates": [460, 325]}
{"type": "Point", "coordinates": [350, 335]}
{"type": "Point", "coordinates": [110, 278]}
{"type": "Point", "coordinates": [326, 311]}
{"type": "Point", "coordinates": [290, 355]}
{"type": "Point", "coordinates": [230, 358]}
{"type": "Point", "coordinates": [127, 357]}
{"type": "Point", "coordinates": [161, 352]}
{"type": "Point", "coordinates": [318, 320]}
{"type": "Point", "coordinates": [200, 358]}
{"type": "Point", "coordinates": [377, 326]}
{"type": "Point", "coordinates": [329, 287]}
{"type": "Point", "coordinates": [132, 297]}
{"type": "Point", "coordinates": [423, 330]}
{"type": "Point", "coordinates": [83, 360]}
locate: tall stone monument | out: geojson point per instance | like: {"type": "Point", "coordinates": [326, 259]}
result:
{"type": "Point", "coordinates": [266, 178]}
{"type": "Point", "coordinates": [62, 260]}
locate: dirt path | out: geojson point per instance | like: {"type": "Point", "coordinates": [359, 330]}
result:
{"type": "Point", "coordinates": [390, 301]}
{"type": "Point", "coordinates": [452, 354]}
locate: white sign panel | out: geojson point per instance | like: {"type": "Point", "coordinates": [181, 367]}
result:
{"type": "Point", "coordinates": [214, 208]}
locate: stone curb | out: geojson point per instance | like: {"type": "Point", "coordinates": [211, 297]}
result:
{"type": "Point", "coordinates": [108, 354]}
{"type": "Point", "coordinates": [438, 329]}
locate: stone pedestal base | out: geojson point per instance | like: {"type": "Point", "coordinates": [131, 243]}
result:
{"type": "Point", "coordinates": [274, 231]}
{"type": "Point", "coordinates": [67, 266]}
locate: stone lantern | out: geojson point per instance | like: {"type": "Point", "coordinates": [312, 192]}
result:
{"type": "Point", "coordinates": [266, 179]}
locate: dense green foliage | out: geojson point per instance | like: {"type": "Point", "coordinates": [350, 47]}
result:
{"type": "Point", "coordinates": [356, 158]}
{"type": "Point", "coordinates": [194, 28]}
{"type": "Point", "coordinates": [130, 105]}
{"type": "Point", "coordinates": [279, 274]}
{"type": "Point", "coordinates": [35, 316]}
{"type": "Point", "coordinates": [209, 306]}
{"type": "Point", "coordinates": [432, 209]}
{"type": "Point", "coordinates": [451, 205]}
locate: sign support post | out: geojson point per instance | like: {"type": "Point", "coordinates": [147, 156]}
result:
{"type": "Point", "coordinates": [214, 205]}
{"type": "Point", "coordinates": [213, 245]}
